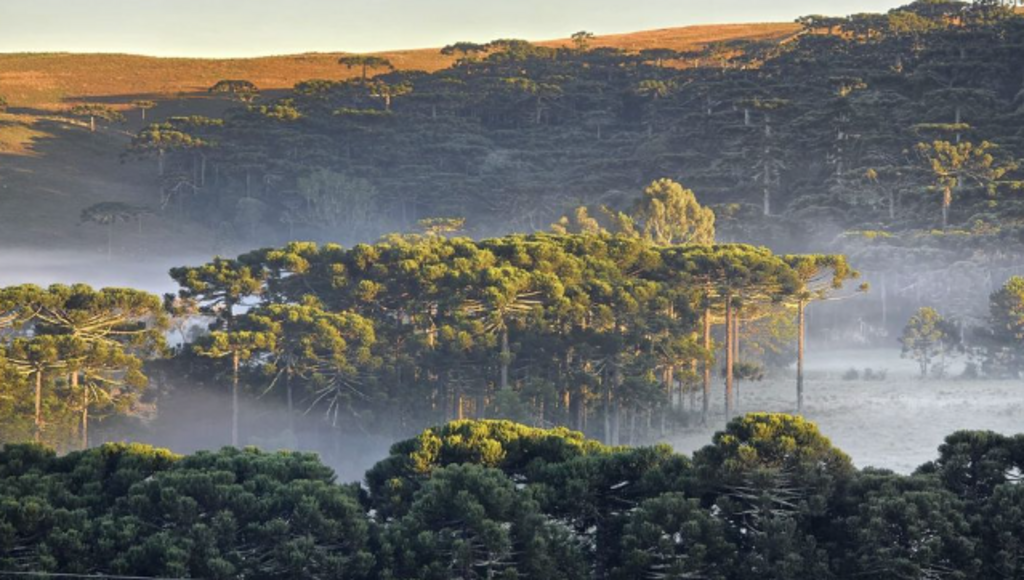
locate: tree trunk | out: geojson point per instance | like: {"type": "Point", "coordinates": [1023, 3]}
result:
{"type": "Point", "coordinates": [506, 354]}
{"type": "Point", "coordinates": [801, 337]}
{"type": "Point", "coordinates": [39, 406]}
{"type": "Point", "coordinates": [291, 406]}
{"type": "Point", "coordinates": [235, 363]}
{"type": "Point", "coordinates": [706, 403]}
{"type": "Point", "coordinates": [947, 200]}
{"type": "Point", "coordinates": [736, 355]}
{"type": "Point", "coordinates": [728, 358]}
{"type": "Point", "coordinates": [85, 409]}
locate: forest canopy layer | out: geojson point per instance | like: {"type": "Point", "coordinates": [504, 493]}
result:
{"type": "Point", "coordinates": [770, 497]}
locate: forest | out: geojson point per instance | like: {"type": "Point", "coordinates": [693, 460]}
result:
{"type": "Point", "coordinates": [770, 497]}
{"type": "Point", "coordinates": [524, 273]}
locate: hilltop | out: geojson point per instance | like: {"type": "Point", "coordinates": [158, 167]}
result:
{"type": "Point", "coordinates": [50, 81]}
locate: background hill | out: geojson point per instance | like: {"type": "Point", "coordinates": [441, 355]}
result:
{"type": "Point", "coordinates": [51, 167]}
{"type": "Point", "coordinates": [52, 81]}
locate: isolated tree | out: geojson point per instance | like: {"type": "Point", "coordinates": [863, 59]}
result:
{"type": "Point", "coordinates": [108, 213]}
{"type": "Point", "coordinates": [240, 90]}
{"type": "Point", "coordinates": [95, 111]}
{"type": "Point", "coordinates": [144, 106]}
{"type": "Point", "coordinates": [668, 214]}
{"type": "Point", "coordinates": [365, 63]}
{"type": "Point", "coordinates": [581, 40]}
{"type": "Point", "coordinates": [928, 335]}
{"type": "Point", "coordinates": [3, 104]}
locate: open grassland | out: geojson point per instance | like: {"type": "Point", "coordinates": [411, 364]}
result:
{"type": "Point", "coordinates": [51, 81]}
{"type": "Point", "coordinates": [897, 423]}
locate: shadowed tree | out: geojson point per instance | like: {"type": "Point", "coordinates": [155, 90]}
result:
{"type": "Point", "coordinates": [365, 63]}
{"type": "Point", "coordinates": [240, 90]}
{"type": "Point", "coordinates": [94, 111]}
{"type": "Point", "coordinates": [581, 40]}
{"type": "Point", "coordinates": [108, 213]}
{"type": "Point", "coordinates": [952, 164]}
{"type": "Point", "coordinates": [144, 106]}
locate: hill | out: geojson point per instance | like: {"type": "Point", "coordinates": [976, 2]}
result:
{"type": "Point", "coordinates": [51, 81]}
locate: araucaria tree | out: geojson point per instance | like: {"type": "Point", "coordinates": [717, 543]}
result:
{"type": "Point", "coordinates": [928, 335]}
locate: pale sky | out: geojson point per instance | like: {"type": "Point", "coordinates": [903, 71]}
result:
{"type": "Point", "coordinates": [220, 28]}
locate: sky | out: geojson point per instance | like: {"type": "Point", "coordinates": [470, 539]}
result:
{"type": "Point", "coordinates": [232, 28]}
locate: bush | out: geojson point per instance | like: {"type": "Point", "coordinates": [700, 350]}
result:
{"type": "Point", "coordinates": [851, 375]}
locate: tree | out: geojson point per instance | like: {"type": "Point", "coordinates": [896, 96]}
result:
{"type": "Point", "coordinates": [3, 104]}
{"type": "Point", "coordinates": [36, 357]}
{"type": "Point", "coordinates": [953, 164]}
{"type": "Point", "coordinates": [241, 90]}
{"type": "Point", "coordinates": [581, 40]}
{"type": "Point", "coordinates": [389, 91]}
{"type": "Point", "coordinates": [108, 213]}
{"type": "Point", "coordinates": [821, 277]}
{"type": "Point", "coordinates": [144, 106]}
{"type": "Point", "coordinates": [668, 214]}
{"type": "Point", "coordinates": [95, 111]}
{"type": "Point", "coordinates": [1005, 332]}
{"type": "Point", "coordinates": [239, 346]}
{"type": "Point", "coordinates": [929, 335]}
{"type": "Point", "coordinates": [366, 63]}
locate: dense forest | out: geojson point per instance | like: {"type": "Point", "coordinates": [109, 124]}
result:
{"type": "Point", "coordinates": [769, 498]}
{"type": "Point", "coordinates": [893, 138]}
{"type": "Point", "coordinates": [526, 269]}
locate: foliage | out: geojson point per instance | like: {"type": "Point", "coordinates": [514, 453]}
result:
{"type": "Point", "coordinates": [769, 498]}
{"type": "Point", "coordinates": [929, 335]}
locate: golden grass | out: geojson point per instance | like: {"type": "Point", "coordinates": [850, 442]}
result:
{"type": "Point", "coordinates": [51, 81]}
{"type": "Point", "coordinates": [17, 133]}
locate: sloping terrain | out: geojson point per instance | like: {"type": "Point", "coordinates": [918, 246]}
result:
{"type": "Point", "coordinates": [50, 81]}
{"type": "Point", "coordinates": [51, 167]}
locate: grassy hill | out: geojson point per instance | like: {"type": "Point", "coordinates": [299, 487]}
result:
{"type": "Point", "coordinates": [51, 81]}
{"type": "Point", "coordinates": [51, 167]}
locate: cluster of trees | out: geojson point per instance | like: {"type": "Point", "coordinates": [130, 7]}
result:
{"type": "Point", "coordinates": [899, 121]}
{"type": "Point", "coordinates": [608, 334]}
{"type": "Point", "coordinates": [994, 349]}
{"type": "Point", "coordinates": [770, 497]}
{"type": "Point", "coordinates": [69, 353]}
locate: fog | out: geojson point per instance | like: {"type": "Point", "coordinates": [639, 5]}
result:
{"type": "Point", "coordinates": [895, 423]}
{"type": "Point", "coordinates": [45, 267]}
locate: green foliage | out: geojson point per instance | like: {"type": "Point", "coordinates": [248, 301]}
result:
{"type": "Point", "coordinates": [929, 335]}
{"type": "Point", "coordinates": [769, 498]}
{"type": "Point", "coordinates": [97, 511]}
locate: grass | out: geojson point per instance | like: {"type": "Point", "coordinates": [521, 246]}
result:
{"type": "Point", "coordinates": [51, 81]}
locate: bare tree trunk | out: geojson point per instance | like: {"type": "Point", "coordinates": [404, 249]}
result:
{"type": "Point", "coordinates": [85, 409]}
{"type": "Point", "coordinates": [39, 406]}
{"type": "Point", "coordinates": [728, 358]}
{"type": "Point", "coordinates": [706, 403]}
{"type": "Point", "coordinates": [947, 200]}
{"type": "Point", "coordinates": [801, 338]}
{"type": "Point", "coordinates": [506, 354]}
{"type": "Point", "coordinates": [235, 363]}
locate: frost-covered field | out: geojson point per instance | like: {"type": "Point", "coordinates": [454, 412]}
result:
{"type": "Point", "coordinates": [897, 423]}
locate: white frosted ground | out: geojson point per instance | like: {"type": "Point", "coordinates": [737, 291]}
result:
{"type": "Point", "coordinates": [896, 424]}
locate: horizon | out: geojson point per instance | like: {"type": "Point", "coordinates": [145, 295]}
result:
{"type": "Point", "coordinates": [233, 30]}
